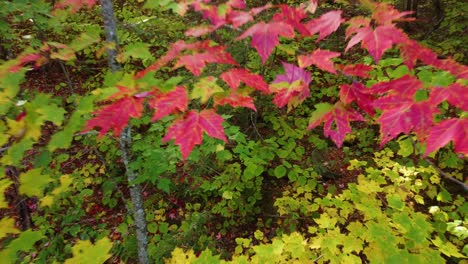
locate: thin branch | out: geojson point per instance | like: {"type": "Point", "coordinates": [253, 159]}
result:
{"type": "Point", "coordinates": [447, 176]}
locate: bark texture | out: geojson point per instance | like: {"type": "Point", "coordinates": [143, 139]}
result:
{"type": "Point", "coordinates": [126, 139]}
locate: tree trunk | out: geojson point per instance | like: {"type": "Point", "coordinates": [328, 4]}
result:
{"type": "Point", "coordinates": [126, 139]}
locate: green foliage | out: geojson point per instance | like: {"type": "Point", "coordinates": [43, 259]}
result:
{"type": "Point", "coordinates": [274, 193]}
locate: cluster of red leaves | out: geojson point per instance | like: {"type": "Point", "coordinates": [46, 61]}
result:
{"type": "Point", "coordinates": [399, 111]}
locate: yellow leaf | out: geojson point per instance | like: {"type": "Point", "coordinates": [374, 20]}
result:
{"type": "Point", "coordinates": [85, 252]}
{"type": "Point", "coordinates": [7, 226]}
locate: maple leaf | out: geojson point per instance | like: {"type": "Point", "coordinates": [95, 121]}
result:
{"type": "Point", "coordinates": [384, 14]}
{"type": "Point", "coordinates": [292, 87]}
{"type": "Point", "coordinates": [360, 94]}
{"type": "Point", "coordinates": [403, 87]}
{"type": "Point", "coordinates": [75, 4]}
{"type": "Point", "coordinates": [188, 131]}
{"type": "Point", "coordinates": [240, 4]}
{"type": "Point", "coordinates": [216, 15]}
{"type": "Point", "coordinates": [293, 17]}
{"type": "Point", "coordinates": [238, 18]}
{"type": "Point", "coordinates": [411, 51]}
{"type": "Point", "coordinates": [456, 94]}
{"type": "Point", "coordinates": [400, 115]}
{"type": "Point", "coordinates": [459, 70]}
{"type": "Point", "coordinates": [205, 88]}
{"type": "Point", "coordinates": [359, 70]}
{"type": "Point", "coordinates": [234, 99]}
{"type": "Point", "coordinates": [167, 103]}
{"type": "Point", "coordinates": [355, 23]}
{"type": "Point", "coordinates": [265, 36]}
{"type": "Point", "coordinates": [197, 61]}
{"type": "Point", "coordinates": [22, 60]}
{"type": "Point", "coordinates": [320, 58]}
{"type": "Point", "coordinates": [337, 120]}
{"type": "Point", "coordinates": [377, 40]}
{"type": "Point", "coordinates": [454, 129]}
{"type": "Point", "coordinates": [234, 77]}
{"type": "Point", "coordinates": [116, 115]}
{"type": "Point", "coordinates": [325, 24]}
{"type": "Point", "coordinates": [174, 51]}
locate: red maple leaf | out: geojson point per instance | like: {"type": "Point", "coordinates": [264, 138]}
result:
{"type": "Point", "coordinates": [197, 61]}
{"type": "Point", "coordinates": [355, 23]}
{"type": "Point", "coordinates": [401, 115]}
{"type": "Point", "coordinates": [24, 59]}
{"type": "Point", "coordinates": [384, 14]}
{"type": "Point", "coordinates": [238, 18]}
{"type": "Point", "coordinates": [75, 4]}
{"type": "Point", "coordinates": [411, 51]}
{"type": "Point", "coordinates": [234, 77]}
{"type": "Point", "coordinates": [167, 103]}
{"type": "Point", "coordinates": [337, 120]}
{"type": "Point", "coordinates": [359, 70]}
{"type": "Point", "coordinates": [265, 36]}
{"type": "Point", "coordinates": [325, 24]}
{"type": "Point", "coordinates": [360, 94]}
{"type": "Point", "coordinates": [174, 51]}
{"type": "Point", "coordinates": [320, 58]}
{"type": "Point", "coordinates": [454, 129]}
{"type": "Point", "coordinates": [234, 99]}
{"type": "Point", "coordinates": [377, 40]}
{"type": "Point", "coordinates": [236, 4]}
{"type": "Point", "coordinates": [456, 94]}
{"type": "Point", "coordinates": [455, 68]}
{"type": "Point", "coordinates": [293, 17]}
{"type": "Point", "coordinates": [188, 131]}
{"type": "Point", "coordinates": [292, 87]}
{"type": "Point", "coordinates": [116, 115]}
{"type": "Point", "coordinates": [403, 87]}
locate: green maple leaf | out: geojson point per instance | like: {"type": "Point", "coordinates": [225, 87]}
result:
{"type": "Point", "coordinates": [85, 252]}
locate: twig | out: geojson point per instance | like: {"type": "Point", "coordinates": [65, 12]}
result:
{"type": "Point", "coordinates": [446, 176]}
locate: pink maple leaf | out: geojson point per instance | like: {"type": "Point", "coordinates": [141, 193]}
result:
{"type": "Point", "coordinates": [116, 115]}
{"type": "Point", "coordinates": [293, 17]}
{"type": "Point", "coordinates": [234, 99]}
{"type": "Point", "coordinates": [411, 51]}
{"type": "Point", "coordinates": [377, 41]}
{"type": "Point", "coordinates": [197, 61]}
{"type": "Point", "coordinates": [188, 131]}
{"type": "Point", "coordinates": [75, 4]}
{"type": "Point", "coordinates": [292, 87]}
{"type": "Point", "coordinates": [320, 58]}
{"type": "Point", "coordinates": [325, 24]}
{"type": "Point", "coordinates": [359, 70]}
{"type": "Point", "coordinates": [357, 92]}
{"type": "Point", "coordinates": [337, 120]}
{"type": "Point", "coordinates": [234, 77]}
{"type": "Point", "coordinates": [238, 18]}
{"type": "Point", "coordinates": [403, 87]}
{"type": "Point", "coordinates": [167, 103]}
{"type": "Point", "coordinates": [385, 14]}
{"type": "Point", "coordinates": [24, 59]}
{"type": "Point", "coordinates": [454, 129]}
{"type": "Point", "coordinates": [403, 116]}
{"type": "Point", "coordinates": [265, 36]}
{"type": "Point", "coordinates": [456, 94]}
